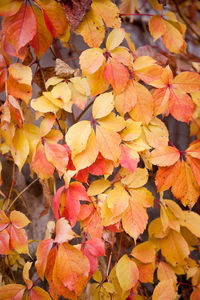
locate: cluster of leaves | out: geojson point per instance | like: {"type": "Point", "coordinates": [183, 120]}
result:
{"type": "Point", "coordinates": [104, 162]}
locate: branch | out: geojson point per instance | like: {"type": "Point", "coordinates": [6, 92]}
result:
{"type": "Point", "coordinates": [23, 191]}
{"type": "Point", "coordinates": [86, 108]}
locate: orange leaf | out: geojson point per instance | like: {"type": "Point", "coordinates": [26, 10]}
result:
{"type": "Point", "coordinates": [165, 176]}
{"type": "Point", "coordinates": [108, 143]}
{"type": "Point", "coordinates": [19, 81]}
{"type": "Point", "coordinates": [4, 243]}
{"type": "Point", "coordinates": [18, 219]}
{"type": "Point", "coordinates": [91, 60]}
{"type": "Point", "coordinates": [42, 256]}
{"type": "Point", "coordinates": [9, 7]}
{"type": "Point", "coordinates": [195, 166]}
{"type": "Point", "coordinates": [126, 101]}
{"type": "Point", "coordinates": [43, 39]}
{"type": "Point", "coordinates": [143, 109]}
{"type": "Point", "coordinates": [37, 293]}
{"type": "Point", "coordinates": [41, 165]}
{"type": "Point", "coordinates": [187, 82]}
{"type": "Point", "coordinates": [157, 27]}
{"type": "Point", "coordinates": [134, 219]}
{"type": "Point", "coordinates": [21, 27]}
{"type": "Point", "coordinates": [185, 187]}
{"type": "Point", "coordinates": [108, 11]}
{"type": "Point", "coordinates": [165, 156]}
{"type": "Point", "coordinates": [116, 74]}
{"type": "Point", "coordinates": [18, 240]}
{"type": "Point", "coordinates": [181, 106]}
{"type": "Point", "coordinates": [57, 155]}
{"type": "Point", "coordinates": [72, 268]}
{"type": "Point", "coordinates": [194, 149]}
{"type": "Point", "coordinates": [51, 10]}
{"type": "Point", "coordinates": [12, 291]}
{"type": "Point", "coordinates": [92, 28]}
{"type": "Point", "coordinates": [144, 252]}
{"type": "Point", "coordinates": [26, 278]}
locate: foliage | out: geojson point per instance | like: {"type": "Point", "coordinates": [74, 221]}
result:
{"type": "Point", "coordinates": [105, 163]}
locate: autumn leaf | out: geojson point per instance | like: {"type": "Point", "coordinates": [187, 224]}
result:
{"type": "Point", "coordinates": [19, 81]}
{"type": "Point", "coordinates": [165, 156]}
{"type": "Point", "coordinates": [72, 268]}
{"type": "Point", "coordinates": [127, 266]}
{"type": "Point", "coordinates": [21, 27]}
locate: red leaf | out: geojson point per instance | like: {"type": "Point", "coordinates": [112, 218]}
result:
{"type": "Point", "coordinates": [75, 11]}
{"type": "Point", "coordinates": [94, 248]}
{"type": "Point", "coordinates": [21, 27]}
{"type": "Point", "coordinates": [128, 158]}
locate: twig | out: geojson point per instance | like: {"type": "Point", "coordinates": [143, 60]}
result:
{"type": "Point", "coordinates": [23, 191]}
{"type": "Point", "coordinates": [82, 113]}
{"type": "Point", "coordinates": [12, 183]}
{"type": "Point", "coordinates": [60, 128]}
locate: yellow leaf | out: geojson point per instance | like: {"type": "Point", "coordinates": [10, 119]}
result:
{"type": "Point", "coordinates": [98, 186]}
{"type": "Point", "coordinates": [127, 273]}
{"type": "Point", "coordinates": [43, 105]}
{"type": "Point", "coordinates": [143, 196]}
{"type": "Point", "coordinates": [173, 39]}
{"type": "Point", "coordinates": [112, 122]}
{"type": "Point", "coordinates": [32, 133]}
{"type": "Point", "coordinates": [92, 28]}
{"type": "Point", "coordinates": [103, 105]}
{"type": "Point", "coordinates": [191, 221]}
{"type": "Point", "coordinates": [115, 38]}
{"type": "Point", "coordinates": [97, 276]}
{"type": "Point", "coordinates": [136, 179]}
{"type": "Point", "coordinates": [88, 156]}
{"type": "Point", "coordinates": [132, 131]}
{"type": "Point", "coordinates": [117, 200]}
{"type": "Point", "coordinates": [108, 11]}
{"type": "Point", "coordinates": [77, 142]}
{"type": "Point", "coordinates": [179, 250]}
{"type": "Point", "coordinates": [53, 81]}
{"type": "Point", "coordinates": [61, 91]}
{"type": "Point", "coordinates": [21, 148]}
{"type": "Point", "coordinates": [156, 133]}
